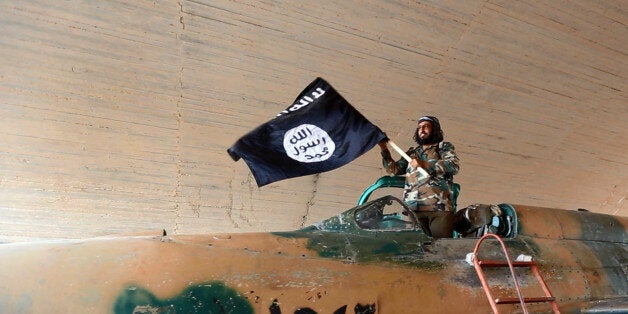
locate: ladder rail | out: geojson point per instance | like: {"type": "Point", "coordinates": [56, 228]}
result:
{"type": "Point", "coordinates": [478, 264]}
{"type": "Point", "coordinates": [537, 274]}
{"type": "Point", "coordinates": [546, 290]}
{"type": "Point", "coordinates": [478, 268]}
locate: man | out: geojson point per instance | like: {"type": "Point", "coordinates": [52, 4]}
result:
{"type": "Point", "coordinates": [431, 200]}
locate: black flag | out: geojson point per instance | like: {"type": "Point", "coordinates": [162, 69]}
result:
{"type": "Point", "coordinates": [321, 131]}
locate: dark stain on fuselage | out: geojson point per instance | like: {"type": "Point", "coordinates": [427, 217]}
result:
{"type": "Point", "coordinates": [403, 248]}
{"type": "Point", "coordinates": [211, 297]}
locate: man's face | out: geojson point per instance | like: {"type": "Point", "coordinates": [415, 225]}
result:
{"type": "Point", "coordinates": [425, 130]}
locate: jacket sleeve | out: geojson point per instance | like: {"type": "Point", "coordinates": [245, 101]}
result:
{"type": "Point", "coordinates": [393, 167]}
{"type": "Point", "coordinates": [448, 164]}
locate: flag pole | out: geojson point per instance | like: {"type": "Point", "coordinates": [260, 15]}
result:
{"type": "Point", "coordinates": [423, 174]}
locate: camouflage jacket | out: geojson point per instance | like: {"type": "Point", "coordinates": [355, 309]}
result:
{"type": "Point", "coordinates": [443, 164]}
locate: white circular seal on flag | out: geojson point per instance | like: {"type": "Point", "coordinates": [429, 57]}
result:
{"type": "Point", "coordinates": [308, 143]}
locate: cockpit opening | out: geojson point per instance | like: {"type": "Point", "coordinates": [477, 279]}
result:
{"type": "Point", "coordinates": [386, 213]}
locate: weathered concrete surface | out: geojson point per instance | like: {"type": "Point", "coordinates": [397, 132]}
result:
{"type": "Point", "coordinates": [115, 116]}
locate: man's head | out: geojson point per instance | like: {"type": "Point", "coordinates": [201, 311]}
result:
{"type": "Point", "coordinates": [428, 131]}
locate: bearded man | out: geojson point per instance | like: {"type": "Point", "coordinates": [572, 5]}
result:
{"type": "Point", "coordinates": [431, 200]}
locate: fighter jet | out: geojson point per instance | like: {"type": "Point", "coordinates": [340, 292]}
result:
{"type": "Point", "coordinates": [373, 258]}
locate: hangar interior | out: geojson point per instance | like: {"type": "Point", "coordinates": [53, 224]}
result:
{"type": "Point", "coordinates": [116, 115]}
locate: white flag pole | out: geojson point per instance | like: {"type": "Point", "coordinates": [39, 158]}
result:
{"type": "Point", "coordinates": [399, 150]}
{"type": "Point", "coordinates": [423, 174]}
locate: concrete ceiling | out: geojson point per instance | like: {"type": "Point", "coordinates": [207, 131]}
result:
{"type": "Point", "coordinates": [116, 115]}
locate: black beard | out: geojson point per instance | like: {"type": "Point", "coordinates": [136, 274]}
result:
{"type": "Point", "coordinates": [435, 137]}
{"type": "Point", "coordinates": [429, 140]}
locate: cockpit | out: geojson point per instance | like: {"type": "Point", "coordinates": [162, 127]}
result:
{"type": "Point", "coordinates": [389, 213]}
{"type": "Point", "coordinates": [386, 213]}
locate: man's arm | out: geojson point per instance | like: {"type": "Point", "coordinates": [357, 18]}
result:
{"type": "Point", "coordinates": [448, 164]}
{"type": "Point", "coordinates": [392, 167]}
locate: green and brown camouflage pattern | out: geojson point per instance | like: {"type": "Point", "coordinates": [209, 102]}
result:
{"type": "Point", "coordinates": [442, 165]}
{"type": "Point", "coordinates": [334, 266]}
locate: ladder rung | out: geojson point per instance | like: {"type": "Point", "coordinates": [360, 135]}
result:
{"type": "Point", "coordinates": [491, 263]}
{"type": "Point", "coordinates": [526, 300]}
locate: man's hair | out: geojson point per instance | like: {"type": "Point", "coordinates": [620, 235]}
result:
{"type": "Point", "coordinates": [437, 132]}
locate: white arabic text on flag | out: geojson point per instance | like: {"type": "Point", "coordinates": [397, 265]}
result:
{"type": "Point", "coordinates": [319, 132]}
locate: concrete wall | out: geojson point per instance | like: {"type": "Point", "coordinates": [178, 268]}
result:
{"type": "Point", "coordinates": [115, 116]}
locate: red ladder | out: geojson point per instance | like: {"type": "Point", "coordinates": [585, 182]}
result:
{"type": "Point", "coordinates": [478, 264]}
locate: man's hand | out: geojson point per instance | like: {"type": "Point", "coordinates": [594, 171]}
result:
{"type": "Point", "coordinates": [383, 144]}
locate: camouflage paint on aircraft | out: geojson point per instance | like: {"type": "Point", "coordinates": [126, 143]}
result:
{"type": "Point", "coordinates": [340, 237]}
{"type": "Point", "coordinates": [211, 297]}
{"type": "Point", "coordinates": [365, 256]}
